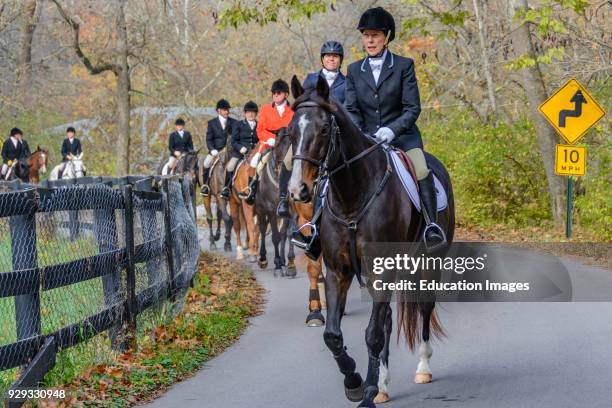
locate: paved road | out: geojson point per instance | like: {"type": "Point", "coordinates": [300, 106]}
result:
{"type": "Point", "coordinates": [497, 355]}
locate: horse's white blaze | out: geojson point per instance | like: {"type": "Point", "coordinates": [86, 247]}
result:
{"type": "Point", "coordinates": [425, 352]}
{"type": "Point", "coordinates": [383, 378]}
{"type": "Point", "coordinates": [296, 174]}
{"type": "Point", "coordinates": [43, 168]}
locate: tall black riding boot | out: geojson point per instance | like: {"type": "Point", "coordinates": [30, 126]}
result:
{"type": "Point", "coordinates": [433, 236]}
{"type": "Point", "coordinates": [205, 188]}
{"type": "Point", "coordinates": [282, 210]}
{"type": "Point", "coordinates": [225, 193]}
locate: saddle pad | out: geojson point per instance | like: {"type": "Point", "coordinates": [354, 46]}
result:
{"type": "Point", "coordinates": [411, 187]}
{"type": "Point", "coordinates": [240, 163]}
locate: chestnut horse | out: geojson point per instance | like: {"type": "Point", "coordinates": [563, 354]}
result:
{"type": "Point", "coordinates": [303, 213]}
{"type": "Point", "coordinates": [243, 214]}
{"type": "Point", "coordinates": [38, 164]}
{"type": "Point", "coordinates": [365, 202]}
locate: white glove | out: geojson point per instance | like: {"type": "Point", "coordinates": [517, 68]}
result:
{"type": "Point", "coordinates": [214, 152]}
{"type": "Point", "coordinates": [384, 133]}
{"type": "Point", "coordinates": [271, 142]}
{"type": "Point", "coordinates": [243, 150]}
{"type": "Point", "coordinates": [255, 160]}
{"type": "Point", "coordinates": [176, 154]}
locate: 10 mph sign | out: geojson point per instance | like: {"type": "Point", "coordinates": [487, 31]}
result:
{"type": "Point", "coordinates": [572, 111]}
{"type": "Point", "coordinates": [570, 160]}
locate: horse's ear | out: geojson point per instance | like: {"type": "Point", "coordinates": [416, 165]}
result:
{"type": "Point", "coordinates": [296, 87]}
{"type": "Point", "coordinates": [322, 88]}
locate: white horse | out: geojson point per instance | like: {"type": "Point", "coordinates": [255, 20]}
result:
{"type": "Point", "coordinates": [72, 169]}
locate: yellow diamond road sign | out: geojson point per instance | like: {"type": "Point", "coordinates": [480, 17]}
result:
{"type": "Point", "coordinates": [570, 160]}
{"type": "Point", "coordinates": [572, 111]}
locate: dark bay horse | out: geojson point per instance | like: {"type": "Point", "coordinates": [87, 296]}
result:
{"type": "Point", "coordinates": [265, 205]}
{"type": "Point", "coordinates": [188, 164]}
{"type": "Point", "coordinates": [365, 202]}
{"type": "Point", "coordinates": [20, 170]}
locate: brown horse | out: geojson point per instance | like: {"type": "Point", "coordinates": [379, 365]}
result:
{"type": "Point", "coordinates": [243, 214]}
{"type": "Point", "coordinates": [303, 212]}
{"type": "Point", "coordinates": [364, 203]}
{"type": "Point", "coordinates": [38, 164]}
{"type": "Point", "coordinates": [217, 179]}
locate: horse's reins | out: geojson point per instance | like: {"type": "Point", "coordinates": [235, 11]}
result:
{"type": "Point", "coordinates": [324, 172]}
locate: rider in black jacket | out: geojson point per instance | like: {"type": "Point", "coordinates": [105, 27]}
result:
{"type": "Point", "coordinates": [14, 148]}
{"type": "Point", "coordinates": [71, 146]}
{"type": "Point", "coordinates": [382, 97]}
{"type": "Point", "coordinates": [244, 138]}
{"type": "Point", "coordinates": [218, 132]}
{"type": "Point", "coordinates": [179, 142]}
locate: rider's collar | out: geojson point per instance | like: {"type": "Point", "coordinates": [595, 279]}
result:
{"type": "Point", "coordinates": [381, 56]}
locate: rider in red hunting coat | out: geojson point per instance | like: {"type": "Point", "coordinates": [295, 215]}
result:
{"type": "Point", "coordinates": [272, 117]}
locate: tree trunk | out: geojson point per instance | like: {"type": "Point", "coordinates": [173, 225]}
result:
{"type": "Point", "coordinates": [533, 83]}
{"type": "Point", "coordinates": [123, 96]}
{"type": "Point", "coordinates": [486, 64]}
{"type": "Point", "coordinates": [26, 34]}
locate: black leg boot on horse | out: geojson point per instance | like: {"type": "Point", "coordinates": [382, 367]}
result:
{"type": "Point", "coordinates": [283, 206]}
{"type": "Point", "coordinates": [205, 191]}
{"type": "Point", "coordinates": [225, 193]}
{"type": "Point", "coordinates": [433, 236]}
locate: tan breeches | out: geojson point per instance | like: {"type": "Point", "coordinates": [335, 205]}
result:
{"type": "Point", "coordinates": [231, 164]}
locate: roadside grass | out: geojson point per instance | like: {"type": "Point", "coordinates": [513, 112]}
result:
{"type": "Point", "coordinates": [214, 315]}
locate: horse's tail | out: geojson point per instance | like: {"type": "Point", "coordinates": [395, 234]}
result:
{"type": "Point", "coordinates": [410, 323]}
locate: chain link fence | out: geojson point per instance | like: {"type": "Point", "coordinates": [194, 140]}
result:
{"type": "Point", "coordinates": [84, 257]}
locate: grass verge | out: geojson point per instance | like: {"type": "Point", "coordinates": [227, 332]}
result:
{"type": "Point", "coordinates": [215, 314]}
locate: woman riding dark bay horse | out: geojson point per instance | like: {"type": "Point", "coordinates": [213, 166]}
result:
{"type": "Point", "coordinates": [365, 203]}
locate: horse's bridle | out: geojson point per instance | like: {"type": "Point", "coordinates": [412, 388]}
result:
{"type": "Point", "coordinates": [326, 173]}
{"type": "Point", "coordinates": [335, 131]}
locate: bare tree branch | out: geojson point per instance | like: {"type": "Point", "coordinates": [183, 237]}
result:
{"type": "Point", "coordinates": [93, 69]}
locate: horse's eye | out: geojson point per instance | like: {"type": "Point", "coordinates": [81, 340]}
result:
{"type": "Point", "coordinates": [325, 130]}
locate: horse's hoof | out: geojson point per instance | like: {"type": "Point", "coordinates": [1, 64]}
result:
{"type": "Point", "coordinates": [213, 246]}
{"type": "Point", "coordinates": [227, 247]}
{"type": "Point", "coordinates": [381, 398]}
{"type": "Point", "coordinates": [291, 271]}
{"type": "Point", "coordinates": [278, 272]}
{"type": "Point", "coordinates": [263, 264]}
{"type": "Point", "coordinates": [252, 258]}
{"type": "Point", "coordinates": [315, 319]}
{"type": "Point", "coordinates": [422, 378]}
{"type": "Point", "coordinates": [354, 393]}
{"type": "Point", "coordinates": [366, 404]}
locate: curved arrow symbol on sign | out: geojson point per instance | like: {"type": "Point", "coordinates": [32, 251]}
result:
{"type": "Point", "coordinates": [578, 100]}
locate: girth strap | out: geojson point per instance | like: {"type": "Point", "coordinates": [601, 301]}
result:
{"type": "Point", "coordinates": [352, 224]}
